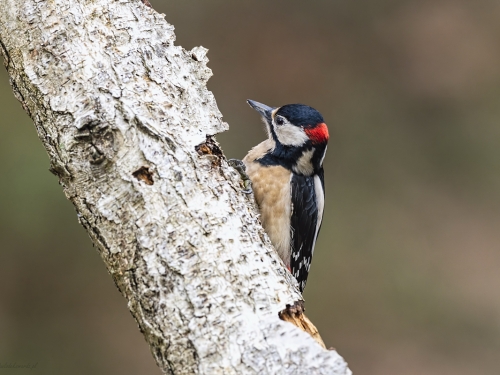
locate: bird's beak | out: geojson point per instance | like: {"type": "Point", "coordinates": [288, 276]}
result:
{"type": "Point", "coordinates": [263, 109]}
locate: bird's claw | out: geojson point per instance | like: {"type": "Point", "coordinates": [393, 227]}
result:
{"type": "Point", "coordinates": [248, 186]}
{"type": "Point", "coordinates": [241, 169]}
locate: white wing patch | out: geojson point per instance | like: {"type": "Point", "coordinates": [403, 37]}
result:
{"type": "Point", "coordinates": [320, 200]}
{"type": "Point", "coordinates": [323, 157]}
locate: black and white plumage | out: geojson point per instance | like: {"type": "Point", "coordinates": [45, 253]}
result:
{"type": "Point", "coordinates": [286, 171]}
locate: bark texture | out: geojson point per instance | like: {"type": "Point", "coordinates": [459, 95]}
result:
{"type": "Point", "coordinates": [127, 122]}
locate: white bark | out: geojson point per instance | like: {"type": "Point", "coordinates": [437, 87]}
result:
{"type": "Point", "coordinates": [121, 111]}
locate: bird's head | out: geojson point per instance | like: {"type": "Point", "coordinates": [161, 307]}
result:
{"type": "Point", "coordinates": [293, 125]}
{"type": "Point", "coordinates": [298, 131]}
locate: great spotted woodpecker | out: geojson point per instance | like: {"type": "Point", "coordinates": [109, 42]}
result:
{"type": "Point", "coordinates": [286, 172]}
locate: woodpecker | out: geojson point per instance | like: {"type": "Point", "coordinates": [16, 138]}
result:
{"type": "Point", "coordinates": [286, 173]}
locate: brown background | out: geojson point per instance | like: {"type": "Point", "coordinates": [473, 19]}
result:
{"type": "Point", "coordinates": [405, 279]}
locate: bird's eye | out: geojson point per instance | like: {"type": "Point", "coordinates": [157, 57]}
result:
{"type": "Point", "coordinates": [279, 120]}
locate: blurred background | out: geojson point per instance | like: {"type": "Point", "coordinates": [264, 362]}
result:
{"type": "Point", "coordinates": [406, 276]}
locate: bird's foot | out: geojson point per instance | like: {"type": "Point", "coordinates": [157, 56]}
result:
{"type": "Point", "coordinates": [241, 169]}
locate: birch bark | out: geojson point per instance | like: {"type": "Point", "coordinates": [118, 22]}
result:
{"type": "Point", "coordinates": [128, 124]}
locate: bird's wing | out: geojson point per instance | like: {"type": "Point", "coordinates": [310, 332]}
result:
{"type": "Point", "coordinates": [303, 226]}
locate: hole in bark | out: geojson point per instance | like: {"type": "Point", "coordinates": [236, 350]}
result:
{"type": "Point", "coordinates": [210, 147]}
{"type": "Point", "coordinates": [211, 150]}
{"type": "Point", "coordinates": [203, 149]}
{"type": "Point", "coordinates": [143, 174]}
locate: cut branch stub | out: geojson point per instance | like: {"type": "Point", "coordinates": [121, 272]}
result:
{"type": "Point", "coordinates": [295, 314]}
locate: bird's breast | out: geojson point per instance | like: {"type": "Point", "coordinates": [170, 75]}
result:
{"type": "Point", "coordinates": [271, 187]}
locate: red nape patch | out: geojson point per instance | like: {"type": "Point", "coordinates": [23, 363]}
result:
{"type": "Point", "coordinates": [318, 134]}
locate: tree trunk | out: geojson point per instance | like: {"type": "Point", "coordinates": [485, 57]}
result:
{"type": "Point", "coordinates": [128, 124]}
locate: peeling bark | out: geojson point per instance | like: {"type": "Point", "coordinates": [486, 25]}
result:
{"type": "Point", "coordinates": [128, 124]}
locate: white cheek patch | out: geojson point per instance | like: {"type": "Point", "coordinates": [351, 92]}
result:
{"type": "Point", "coordinates": [290, 135]}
